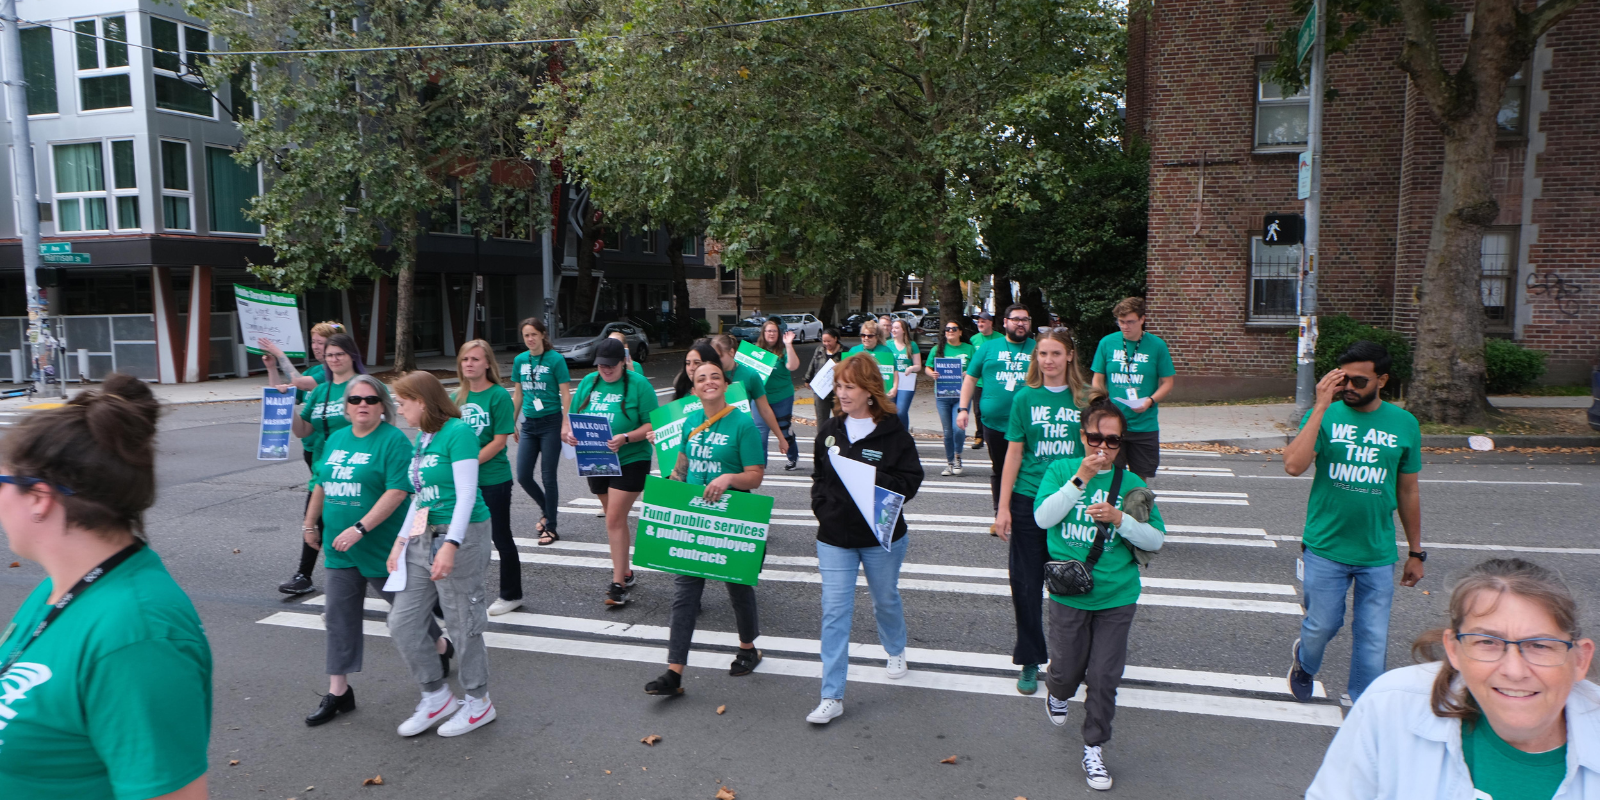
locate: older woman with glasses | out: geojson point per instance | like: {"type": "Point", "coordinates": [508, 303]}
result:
{"type": "Point", "coordinates": [954, 345]}
{"type": "Point", "coordinates": [873, 335]}
{"type": "Point", "coordinates": [1501, 709]}
{"type": "Point", "coordinates": [320, 417]}
{"type": "Point", "coordinates": [359, 483]}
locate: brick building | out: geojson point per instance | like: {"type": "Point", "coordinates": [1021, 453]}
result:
{"type": "Point", "coordinates": [1223, 153]}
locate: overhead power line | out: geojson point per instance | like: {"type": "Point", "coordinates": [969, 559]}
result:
{"type": "Point", "coordinates": [464, 45]}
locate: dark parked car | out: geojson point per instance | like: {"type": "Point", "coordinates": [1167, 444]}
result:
{"type": "Point", "coordinates": [852, 324]}
{"type": "Point", "coordinates": [578, 343]}
{"type": "Point", "coordinates": [750, 329]}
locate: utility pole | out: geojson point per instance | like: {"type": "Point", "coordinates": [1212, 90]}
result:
{"type": "Point", "coordinates": [27, 193]}
{"type": "Point", "coordinates": [1306, 353]}
{"type": "Point", "coordinates": [546, 256]}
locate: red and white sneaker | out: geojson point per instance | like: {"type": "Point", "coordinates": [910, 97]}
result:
{"type": "Point", "coordinates": [474, 714]}
{"type": "Point", "coordinates": [431, 710]}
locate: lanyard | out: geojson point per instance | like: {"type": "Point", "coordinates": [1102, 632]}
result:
{"type": "Point", "coordinates": [423, 440]}
{"type": "Point", "coordinates": [61, 605]}
{"type": "Point", "coordinates": [1130, 354]}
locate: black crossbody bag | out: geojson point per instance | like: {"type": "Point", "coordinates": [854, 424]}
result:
{"type": "Point", "coordinates": [1070, 578]}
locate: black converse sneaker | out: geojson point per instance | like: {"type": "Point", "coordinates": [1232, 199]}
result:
{"type": "Point", "coordinates": [1095, 768]}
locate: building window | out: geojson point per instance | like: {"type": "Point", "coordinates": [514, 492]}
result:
{"type": "Point", "coordinates": [516, 219]}
{"type": "Point", "coordinates": [176, 196]}
{"type": "Point", "coordinates": [240, 87]}
{"type": "Point", "coordinates": [611, 239]}
{"type": "Point", "coordinates": [447, 218]}
{"type": "Point", "coordinates": [691, 246]}
{"type": "Point", "coordinates": [103, 80]}
{"type": "Point", "coordinates": [230, 189]}
{"type": "Point", "coordinates": [769, 285]}
{"type": "Point", "coordinates": [39, 69]}
{"type": "Point", "coordinates": [1281, 120]}
{"type": "Point", "coordinates": [125, 185]}
{"type": "Point", "coordinates": [186, 50]}
{"type": "Point", "coordinates": [1274, 281]}
{"type": "Point", "coordinates": [647, 242]}
{"type": "Point", "coordinates": [1498, 261]}
{"type": "Point", "coordinates": [80, 188]}
{"type": "Point", "coordinates": [1513, 105]}
{"type": "Point", "coordinates": [727, 281]}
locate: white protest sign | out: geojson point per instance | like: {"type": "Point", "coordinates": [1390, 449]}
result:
{"type": "Point", "coordinates": [270, 315]}
{"type": "Point", "coordinates": [822, 383]}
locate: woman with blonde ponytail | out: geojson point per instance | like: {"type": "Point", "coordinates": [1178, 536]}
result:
{"type": "Point", "coordinates": [488, 409]}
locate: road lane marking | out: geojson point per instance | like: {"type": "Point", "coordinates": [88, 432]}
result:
{"type": "Point", "coordinates": [1127, 697]}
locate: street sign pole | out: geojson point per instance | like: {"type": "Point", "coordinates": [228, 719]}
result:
{"type": "Point", "coordinates": [547, 257]}
{"type": "Point", "coordinates": [27, 192]}
{"type": "Point", "coordinates": [1306, 351]}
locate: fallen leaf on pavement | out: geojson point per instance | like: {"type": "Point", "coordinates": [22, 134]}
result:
{"type": "Point", "coordinates": [950, 760]}
{"type": "Point", "coordinates": [376, 780]}
{"type": "Point", "coordinates": [16, 564]}
{"type": "Point", "coordinates": [309, 788]}
{"type": "Point", "coordinates": [1425, 591]}
{"type": "Point", "coordinates": [651, 740]}
{"type": "Point", "coordinates": [608, 772]}
{"type": "Point", "coordinates": [722, 709]}
{"type": "Point", "coordinates": [724, 793]}
{"type": "Point", "coordinates": [235, 551]}
{"type": "Point", "coordinates": [233, 763]}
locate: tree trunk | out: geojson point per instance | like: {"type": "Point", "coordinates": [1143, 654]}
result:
{"type": "Point", "coordinates": [585, 287]}
{"type": "Point", "coordinates": [900, 291]}
{"type": "Point", "coordinates": [682, 331]}
{"type": "Point", "coordinates": [1448, 383]}
{"type": "Point", "coordinates": [405, 351]}
{"type": "Point", "coordinates": [1033, 298]}
{"type": "Point", "coordinates": [830, 299]}
{"type": "Point", "coordinates": [866, 291]}
{"type": "Point", "coordinates": [952, 302]}
{"type": "Point", "coordinates": [1002, 291]}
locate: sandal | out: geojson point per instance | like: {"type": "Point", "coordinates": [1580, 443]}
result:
{"type": "Point", "coordinates": [547, 536]}
{"type": "Point", "coordinates": [670, 683]}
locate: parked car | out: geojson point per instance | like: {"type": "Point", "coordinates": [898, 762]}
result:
{"type": "Point", "coordinates": [852, 324]}
{"type": "Point", "coordinates": [749, 329]}
{"type": "Point", "coordinates": [919, 312]}
{"type": "Point", "coordinates": [577, 344]}
{"type": "Point", "coordinates": [806, 327]}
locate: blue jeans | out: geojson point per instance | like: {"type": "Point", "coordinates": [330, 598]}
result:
{"type": "Point", "coordinates": [541, 436]}
{"type": "Point", "coordinates": [955, 437]}
{"type": "Point", "coordinates": [784, 411]}
{"type": "Point", "coordinates": [838, 566]}
{"type": "Point", "coordinates": [902, 406]}
{"type": "Point", "coordinates": [1325, 585]}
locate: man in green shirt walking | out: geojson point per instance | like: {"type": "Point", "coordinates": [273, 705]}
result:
{"type": "Point", "coordinates": [1367, 454]}
{"type": "Point", "coordinates": [1002, 364]}
{"type": "Point", "coordinates": [985, 322]}
{"type": "Point", "coordinates": [1135, 368]}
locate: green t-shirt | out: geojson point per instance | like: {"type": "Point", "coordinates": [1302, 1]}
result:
{"type": "Point", "coordinates": [1047, 425]}
{"type": "Point", "coordinates": [727, 446]}
{"type": "Point", "coordinates": [1360, 456]}
{"type": "Point", "coordinates": [433, 478]}
{"type": "Point", "coordinates": [1502, 772]}
{"type": "Point", "coordinates": [1131, 379]}
{"type": "Point", "coordinates": [903, 356]}
{"type": "Point", "coordinates": [965, 352]}
{"type": "Point", "coordinates": [1116, 575]}
{"type": "Point", "coordinates": [1002, 366]}
{"type": "Point", "coordinates": [780, 384]}
{"type": "Point", "coordinates": [540, 379]}
{"type": "Point", "coordinates": [754, 386]}
{"type": "Point", "coordinates": [114, 698]}
{"type": "Point", "coordinates": [978, 340]}
{"type": "Point", "coordinates": [317, 373]}
{"type": "Point", "coordinates": [491, 413]}
{"type": "Point", "coordinates": [627, 403]}
{"type": "Point", "coordinates": [886, 359]}
{"type": "Point", "coordinates": [324, 409]}
{"type": "Point", "coordinates": [354, 472]}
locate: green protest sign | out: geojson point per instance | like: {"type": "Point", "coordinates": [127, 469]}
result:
{"type": "Point", "coordinates": [762, 361]}
{"type": "Point", "coordinates": [666, 423]}
{"type": "Point", "coordinates": [680, 532]}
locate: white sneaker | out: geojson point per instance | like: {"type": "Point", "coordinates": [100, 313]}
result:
{"type": "Point", "coordinates": [430, 710]}
{"type": "Point", "coordinates": [897, 666]}
{"type": "Point", "coordinates": [1095, 768]}
{"type": "Point", "coordinates": [826, 711]}
{"type": "Point", "coordinates": [949, 469]}
{"type": "Point", "coordinates": [1055, 710]}
{"type": "Point", "coordinates": [500, 606]}
{"type": "Point", "coordinates": [956, 470]}
{"type": "Point", "coordinates": [473, 715]}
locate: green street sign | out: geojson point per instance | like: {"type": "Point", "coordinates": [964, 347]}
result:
{"type": "Point", "coordinates": [65, 258]}
{"type": "Point", "coordinates": [54, 248]}
{"type": "Point", "coordinates": [680, 532]}
{"type": "Point", "coordinates": [1308, 36]}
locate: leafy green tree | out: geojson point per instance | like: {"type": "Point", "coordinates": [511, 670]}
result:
{"type": "Point", "coordinates": [1463, 94]}
{"type": "Point", "coordinates": [364, 145]}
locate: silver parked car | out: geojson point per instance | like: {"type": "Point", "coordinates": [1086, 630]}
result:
{"type": "Point", "coordinates": [806, 327]}
{"type": "Point", "coordinates": [577, 344]}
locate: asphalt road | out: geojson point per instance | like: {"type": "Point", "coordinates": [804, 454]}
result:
{"type": "Point", "coordinates": [1205, 711]}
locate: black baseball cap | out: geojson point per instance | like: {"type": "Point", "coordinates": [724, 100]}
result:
{"type": "Point", "coordinates": [986, 315]}
{"type": "Point", "coordinates": [610, 353]}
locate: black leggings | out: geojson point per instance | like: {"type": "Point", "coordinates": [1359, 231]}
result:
{"type": "Point", "coordinates": [308, 554]}
{"type": "Point", "coordinates": [498, 499]}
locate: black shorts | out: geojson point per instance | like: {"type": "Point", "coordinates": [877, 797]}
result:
{"type": "Point", "coordinates": [631, 479]}
{"type": "Point", "coordinates": [1141, 452]}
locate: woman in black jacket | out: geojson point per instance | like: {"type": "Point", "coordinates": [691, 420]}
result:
{"type": "Point", "coordinates": [830, 349]}
{"type": "Point", "coordinates": [866, 431]}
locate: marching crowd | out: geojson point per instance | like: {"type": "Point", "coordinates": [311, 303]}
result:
{"type": "Point", "coordinates": [117, 688]}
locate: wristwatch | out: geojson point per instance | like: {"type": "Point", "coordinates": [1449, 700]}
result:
{"type": "Point", "coordinates": [963, 409]}
{"type": "Point", "coordinates": [1077, 481]}
{"type": "Point", "coordinates": [1419, 555]}
{"type": "Point", "coordinates": [362, 528]}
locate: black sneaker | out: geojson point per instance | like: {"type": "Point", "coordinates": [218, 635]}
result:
{"type": "Point", "coordinates": [332, 705]}
{"type": "Point", "coordinates": [669, 683]}
{"type": "Point", "coordinates": [628, 581]}
{"type": "Point", "coordinates": [791, 466]}
{"type": "Point", "coordinates": [299, 584]}
{"type": "Point", "coordinates": [745, 662]}
{"type": "Point", "coordinates": [617, 595]}
{"type": "Point", "coordinates": [1300, 682]}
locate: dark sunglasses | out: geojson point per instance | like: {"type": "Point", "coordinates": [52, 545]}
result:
{"type": "Point", "coordinates": [952, 328]}
{"type": "Point", "coordinates": [358, 399]}
{"type": "Point", "coordinates": [28, 483]}
{"type": "Point", "coordinates": [1110, 440]}
{"type": "Point", "coordinates": [1358, 381]}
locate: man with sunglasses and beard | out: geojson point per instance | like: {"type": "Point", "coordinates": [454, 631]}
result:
{"type": "Point", "coordinates": [1367, 454]}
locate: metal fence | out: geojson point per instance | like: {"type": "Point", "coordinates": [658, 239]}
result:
{"type": "Point", "coordinates": [115, 343]}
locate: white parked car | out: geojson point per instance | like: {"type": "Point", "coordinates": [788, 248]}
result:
{"type": "Point", "coordinates": [806, 327]}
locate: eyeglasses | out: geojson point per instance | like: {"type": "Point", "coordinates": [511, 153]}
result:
{"type": "Point", "coordinates": [28, 483]}
{"type": "Point", "coordinates": [1110, 440]}
{"type": "Point", "coordinates": [869, 335]}
{"type": "Point", "coordinates": [358, 399]}
{"type": "Point", "coordinates": [327, 354]}
{"type": "Point", "coordinates": [1358, 381]}
{"type": "Point", "coordinates": [1538, 652]}
{"type": "Point", "coordinates": [1019, 319]}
